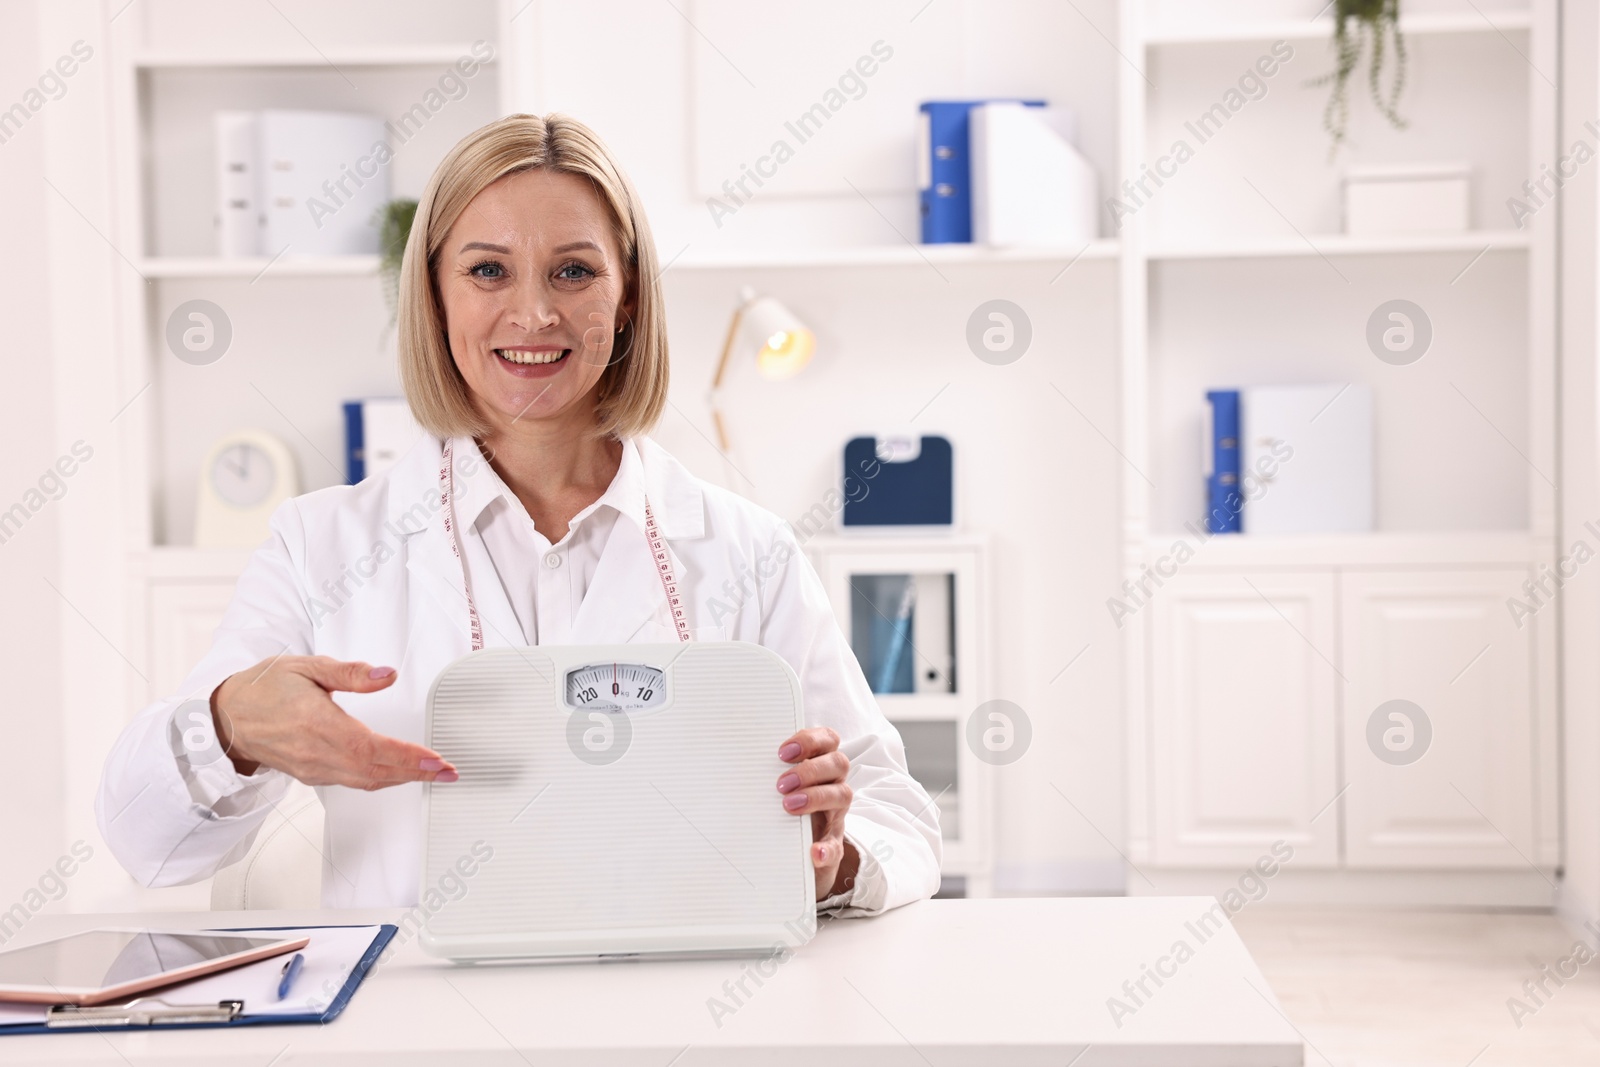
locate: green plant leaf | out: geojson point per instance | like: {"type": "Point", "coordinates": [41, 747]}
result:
{"type": "Point", "coordinates": [394, 229]}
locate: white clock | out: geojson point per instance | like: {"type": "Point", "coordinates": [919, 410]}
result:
{"type": "Point", "coordinates": [244, 477]}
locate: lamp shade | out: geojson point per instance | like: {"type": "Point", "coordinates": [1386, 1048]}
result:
{"type": "Point", "coordinates": [785, 343]}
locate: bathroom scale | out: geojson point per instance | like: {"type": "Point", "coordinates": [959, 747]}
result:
{"type": "Point", "coordinates": [614, 801]}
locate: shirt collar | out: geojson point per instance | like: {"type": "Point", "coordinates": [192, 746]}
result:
{"type": "Point", "coordinates": [478, 485]}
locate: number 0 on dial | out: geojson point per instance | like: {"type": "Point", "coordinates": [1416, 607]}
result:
{"type": "Point", "coordinates": [616, 687]}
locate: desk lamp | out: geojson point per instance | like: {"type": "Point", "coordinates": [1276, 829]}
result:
{"type": "Point", "coordinates": [781, 343]}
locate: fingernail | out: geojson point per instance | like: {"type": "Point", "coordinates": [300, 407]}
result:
{"type": "Point", "coordinates": [431, 765]}
{"type": "Point", "coordinates": [789, 752]}
{"type": "Point", "coordinates": [446, 776]}
{"type": "Point", "coordinates": [380, 672]}
{"type": "Point", "coordinates": [794, 801]}
{"type": "Point", "coordinates": [788, 782]}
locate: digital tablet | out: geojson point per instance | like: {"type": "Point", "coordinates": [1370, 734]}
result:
{"type": "Point", "coordinates": [99, 966]}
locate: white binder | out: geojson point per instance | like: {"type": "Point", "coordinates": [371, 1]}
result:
{"type": "Point", "coordinates": [238, 206]}
{"type": "Point", "coordinates": [615, 830]}
{"type": "Point", "coordinates": [1310, 446]}
{"type": "Point", "coordinates": [322, 182]}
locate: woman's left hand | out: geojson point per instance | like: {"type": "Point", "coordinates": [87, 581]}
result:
{"type": "Point", "coordinates": [816, 786]}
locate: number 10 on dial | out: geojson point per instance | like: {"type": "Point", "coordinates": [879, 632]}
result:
{"type": "Point", "coordinates": [616, 687]}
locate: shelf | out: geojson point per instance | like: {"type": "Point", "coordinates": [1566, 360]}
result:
{"type": "Point", "coordinates": [252, 266]}
{"type": "Point", "coordinates": [1495, 21]}
{"type": "Point", "coordinates": [901, 255]}
{"type": "Point", "coordinates": [1341, 245]}
{"type": "Point", "coordinates": [1482, 548]}
{"type": "Point", "coordinates": [396, 56]}
{"type": "Point", "coordinates": [924, 707]}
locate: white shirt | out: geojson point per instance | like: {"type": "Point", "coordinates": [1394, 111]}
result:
{"type": "Point", "coordinates": [545, 582]}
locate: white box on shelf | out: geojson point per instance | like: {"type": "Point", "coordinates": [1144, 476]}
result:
{"type": "Point", "coordinates": [1420, 198]}
{"type": "Point", "coordinates": [1306, 458]}
{"type": "Point", "coordinates": [1030, 186]}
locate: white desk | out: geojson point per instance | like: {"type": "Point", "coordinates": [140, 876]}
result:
{"type": "Point", "coordinates": [936, 984]}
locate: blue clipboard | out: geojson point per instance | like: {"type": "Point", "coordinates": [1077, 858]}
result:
{"type": "Point", "coordinates": [203, 1016]}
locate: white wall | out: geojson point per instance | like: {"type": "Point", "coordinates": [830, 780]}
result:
{"type": "Point", "coordinates": [31, 798]}
{"type": "Point", "coordinates": [1580, 472]}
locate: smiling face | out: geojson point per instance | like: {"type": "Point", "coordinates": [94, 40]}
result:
{"type": "Point", "coordinates": [533, 290]}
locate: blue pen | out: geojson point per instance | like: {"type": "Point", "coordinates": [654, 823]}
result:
{"type": "Point", "coordinates": [290, 971]}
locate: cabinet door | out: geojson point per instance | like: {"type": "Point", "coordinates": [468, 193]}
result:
{"type": "Point", "coordinates": [1242, 737]}
{"type": "Point", "coordinates": [183, 620]}
{"type": "Point", "coordinates": [1452, 786]}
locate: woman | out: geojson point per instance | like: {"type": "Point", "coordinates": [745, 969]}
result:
{"type": "Point", "coordinates": [533, 352]}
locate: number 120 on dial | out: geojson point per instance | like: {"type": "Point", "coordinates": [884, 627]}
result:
{"type": "Point", "coordinates": [616, 687]}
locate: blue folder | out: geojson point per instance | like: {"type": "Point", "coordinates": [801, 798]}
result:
{"type": "Point", "coordinates": [1224, 501]}
{"type": "Point", "coordinates": [381, 941]}
{"type": "Point", "coordinates": [355, 433]}
{"type": "Point", "coordinates": [945, 201]}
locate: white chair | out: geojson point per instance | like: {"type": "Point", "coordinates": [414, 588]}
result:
{"type": "Point", "coordinates": [283, 868]}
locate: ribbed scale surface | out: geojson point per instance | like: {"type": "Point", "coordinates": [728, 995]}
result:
{"type": "Point", "coordinates": [684, 830]}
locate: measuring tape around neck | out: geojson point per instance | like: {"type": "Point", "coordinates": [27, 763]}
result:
{"type": "Point", "coordinates": [658, 555]}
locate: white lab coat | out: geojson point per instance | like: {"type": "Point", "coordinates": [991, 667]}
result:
{"type": "Point", "coordinates": [366, 573]}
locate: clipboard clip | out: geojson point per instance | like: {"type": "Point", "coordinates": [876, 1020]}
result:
{"type": "Point", "coordinates": [145, 1011]}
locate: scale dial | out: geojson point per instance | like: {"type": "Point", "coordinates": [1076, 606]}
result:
{"type": "Point", "coordinates": [614, 687]}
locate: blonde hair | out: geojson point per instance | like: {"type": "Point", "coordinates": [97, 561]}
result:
{"type": "Point", "coordinates": [633, 388]}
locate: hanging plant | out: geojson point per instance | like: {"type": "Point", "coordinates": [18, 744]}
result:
{"type": "Point", "coordinates": [1358, 26]}
{"type": "Point", "coordinates": [394, 227]}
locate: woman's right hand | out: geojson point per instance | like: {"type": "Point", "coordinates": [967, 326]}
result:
{"type": "Point", "coordinates": [278, 714]}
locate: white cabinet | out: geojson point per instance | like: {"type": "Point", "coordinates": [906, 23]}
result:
{"type": "Point", "coordinates": [1459, 791]}
{"type": "Point", "coordinates": [933, 589]}
{"type": "Point", "coordinates": [1243, 697]}
{"type": "Point", "coordinates": [1373, 718]}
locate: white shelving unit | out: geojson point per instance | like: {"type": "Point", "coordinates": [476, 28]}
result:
{"type": "Point", "coordinates": [1252, 670]}
{"type": "Point", "coordinates": [167, 79]}
{"type": "Point", "coordinates": [169, 65]}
